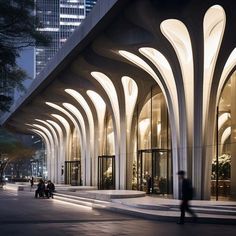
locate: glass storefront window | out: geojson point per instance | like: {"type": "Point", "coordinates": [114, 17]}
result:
{"type": "Point", "coordinates": [154, 164]}
{"type": "Point", "coordinates": [109, 141]}
{"type": "Point", "coordinates": [144, 127]}
{"type": "Point", "coordinates": [106, 162]}
{"type": "Point", "coordinates": [223, 162]}
{"type": "Point", "coordinates": [159, 121]}
{"type": "Point", "coordinates": [110, 138]}
{"type": "Point", "coordinates": [153, 123]}
{"type": "Point", "coordinates": [106, 172]}
{"type": "Point", "coordinates": [73, 171]}
{"type": "Point", "coordinates": [76, 149]}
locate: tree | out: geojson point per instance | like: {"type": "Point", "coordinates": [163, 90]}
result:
{"type": "Point", "coordinates": [11, 149]}
{"type": "Point", "coordinates": [19, 28]}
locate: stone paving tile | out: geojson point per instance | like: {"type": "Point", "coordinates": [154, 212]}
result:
{"type": "Point", "coordinates": [22, 215]}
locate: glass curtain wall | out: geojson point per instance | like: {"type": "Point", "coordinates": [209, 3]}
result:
{"type": "Point", "coordinates": [109, 141]}
{"type": "Point", "coordinates": [106, 162]}
{"type": "Point", "coordinates": [223, 183]}
{"type": "Point", "coordinates": [154, 166]}
{"type": "Point", "coordinates": [73, 166]}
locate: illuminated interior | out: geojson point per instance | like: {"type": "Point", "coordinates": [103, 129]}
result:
{"type": "Point", "coordinates": [226, 138]}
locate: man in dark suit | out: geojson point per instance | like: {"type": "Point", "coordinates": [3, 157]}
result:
{"type": "Point", "coordinates": [40, 189]}
{"type": "Point", "coordinates": [50, 189]}
{"type": "Point", "coordinates": [187, 195]}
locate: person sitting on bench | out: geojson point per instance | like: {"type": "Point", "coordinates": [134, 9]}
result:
{"type": "Point", "coordinates": [40, 189]}
{"type": "Point", "coordinates": [50, 189]}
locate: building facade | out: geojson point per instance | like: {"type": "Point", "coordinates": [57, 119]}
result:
{"type": "Point", "coordinates": [89, 4]}
{"type": "Point", "coordinates": [59, 19]}
{"type": "Point", "coordinates": [143, 88]}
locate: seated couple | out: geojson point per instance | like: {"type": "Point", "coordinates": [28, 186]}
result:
{"type": "Point", "coordinates": [43, 190]}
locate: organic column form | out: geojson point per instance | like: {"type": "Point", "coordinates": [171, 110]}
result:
{"type": "Point", "coordinates": [213, 29]}
{"type": "Point", "coordinates": [177, 34]}
{"type": "Point", "coordinates": [51, 158]}
{"type": "Point", "coordinates": [66, 142]}
{"type": "Point", "coordinates": [110, 90]}
{"type": "Point", "coordinates": [214, 26]}
{"type": "Point", "coordinates": [101, 109]}
{"type": "Point", "coordinates": [47, 145]}
{"type": "Point", "coordinates": [131, 93]}
{"type": "Point", "coordinates": [169, 92]}
{"type": "Point", "coordinates": [85, 149]}
{"type": "Point", "coordinates": [85, 162]}
{"type": "Point", "coordinates": [62, 151]}
{"type": "Point", "coordinates": [80, 99]}
{"type": "Point", "coordinates": [163, 66]}
{"type": "Point", "coordinates": [56, 150]}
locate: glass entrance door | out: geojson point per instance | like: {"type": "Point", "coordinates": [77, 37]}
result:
{"type": "Point", "coordinates": [154, 164]}
{"type": "Point", "coordinates": [73, 173]}
{"type": "Point", "coordinates": [144, 169]}
{"type": "Point", "coordinates": [106, 172]}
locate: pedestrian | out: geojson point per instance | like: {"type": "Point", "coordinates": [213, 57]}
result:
{"type": "Point", "coordinates": [50, 189]}
{"type": "Point", "coordinates": [162, 186]}
{"type": "Point", "coordinates": [40, 191]}
{"type": "Point", "coordinates": [149, 184]}
{"type": "Point", "coordinates": [187, 195]}
{"type": "Point", "coordinates": [31, 183]}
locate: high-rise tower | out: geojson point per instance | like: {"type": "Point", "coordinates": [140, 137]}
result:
{"type": "Point", "coordinates": [89, 5]}
{"type": "Point", "coordinates": [59, 18]}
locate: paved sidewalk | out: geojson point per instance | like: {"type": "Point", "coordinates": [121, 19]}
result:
{"type": "Point", "coordinates": [137, 203]}
{"type": "Point", "coordinates": [23, 215]}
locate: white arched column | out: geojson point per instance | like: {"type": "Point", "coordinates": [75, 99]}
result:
{"type": "Point", "coordinates": [120, 161]}
{"type": "Point", "coordinates": [85, 149]}
{"type": "Point", "coordinates": [213, 28]}
{"type": "Point", "coordinates": [47, 147]}
{"type": "Point", "coordinates": [61, 148]}
{"type": "Point", "coordinates": [84, 162]}
{"type": "Point", "coordinates": [100, 107]}
{"type": "Point", "coordinates": [177, 34]}
{"type": "Point", "coordinates": [54, 161]}
{"type": "Point", "coordinates": [66, 141]}
{"type": "Point", "coordinates": [80, 99]}
{"type": "Point", "coordinates": [131, 93]}
{"type": "Point", "coordinates": [52, 157]}
{"type": "Point", "coordinates": [169, 92]}
{"type": "Point", "coordinates": [198, 107]}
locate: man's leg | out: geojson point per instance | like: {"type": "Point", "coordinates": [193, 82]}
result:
{"type": "Point", "coordinates": [182, 209]}
{"type": "Point", "coordinates": [36, 193]}
{"type": "Point", "coordinates": [190, 211]}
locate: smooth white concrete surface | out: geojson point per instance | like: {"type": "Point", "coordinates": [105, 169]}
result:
{"type": "Point", "coordinates": [111, 194]}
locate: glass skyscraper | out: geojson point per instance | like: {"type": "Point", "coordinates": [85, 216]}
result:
{"type": "Point", "coordinates": [59, 18]}
{"type": "Point", "coordinates": [89, 5]}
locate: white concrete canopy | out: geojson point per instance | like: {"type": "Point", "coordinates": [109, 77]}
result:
{"type": "Point", "coordinates": [111, 63]}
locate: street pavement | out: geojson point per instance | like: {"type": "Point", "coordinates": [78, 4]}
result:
{"type": "Point", "coordinates": [22, 214]}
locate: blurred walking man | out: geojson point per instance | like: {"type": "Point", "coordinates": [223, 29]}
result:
{"type": "Point", "coordinates": [187, 195]}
